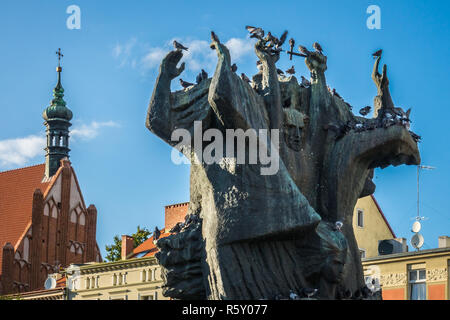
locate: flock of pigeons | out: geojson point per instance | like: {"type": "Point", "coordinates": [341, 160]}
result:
{"type": "Point", "coordinates": [188, 221]}
{"type": "Point", "coordinates": [180, 226]}
{"type": "Point", "coordinates": [311, 293]}
{"type": "Point", "coordinates": [274, 45]}
{"type": "Point", "coordinates": [389, 118]}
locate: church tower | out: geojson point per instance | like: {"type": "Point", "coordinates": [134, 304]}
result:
{"type": "Point", "coordinates": [57, 120]}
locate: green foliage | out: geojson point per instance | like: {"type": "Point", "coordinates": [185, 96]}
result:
{"type": "Point", "coordinates": [114, 251]}
{"type": "Point", "coordinates": [11, 297]}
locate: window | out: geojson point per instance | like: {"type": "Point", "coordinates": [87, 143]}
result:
{"type": "Point", "coordinates": [362, 253]}
{"type": "Point", "coordinates": [360, 218]}
{"type": "Point", "coordinates": [417, 284]}
{"type": "Point", "coordinates": [147, 297]}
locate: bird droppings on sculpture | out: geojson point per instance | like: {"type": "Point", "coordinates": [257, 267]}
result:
{"type": "Point", "coordinates": [287, 234]}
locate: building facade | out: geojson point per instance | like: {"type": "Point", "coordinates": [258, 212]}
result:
{"type": "Point", "coordinates": [45, 224]}
{"type": "Point", "coordinates": [417, 275]}
{"type": "Point", "coordinates": [132, 279]}
{"type": "Point", "coordinates": [370, 226]}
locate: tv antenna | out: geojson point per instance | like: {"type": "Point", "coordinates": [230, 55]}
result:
{"type": "Point", "coordinates": [417, 239]}
{"type": "Point", "coordinates": [419, 167]}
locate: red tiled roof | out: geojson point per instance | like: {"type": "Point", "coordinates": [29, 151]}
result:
{"type": "Point", "coordinates": [16, 200]}
{"type": "Point", "coordinates": [61, 283]}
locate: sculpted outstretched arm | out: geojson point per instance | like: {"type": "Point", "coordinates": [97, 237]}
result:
{"type": "Point", "coordinates": [234, 101]}
{"type": "Point", "coordinates": [158, 114]}
{"type": "Point", "coordinates": [270, 84]}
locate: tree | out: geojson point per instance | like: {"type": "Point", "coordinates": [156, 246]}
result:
{"type": "Point", "coordinates": [115, 250]}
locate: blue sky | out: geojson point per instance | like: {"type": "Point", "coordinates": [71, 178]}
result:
{"type": "Point", "coordinates": [111, 63]}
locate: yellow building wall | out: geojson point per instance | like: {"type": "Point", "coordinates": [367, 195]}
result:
{"type": "Point", "coordinates": [393, 275]}
{"type": "Point", "coordinates": [374, 227]}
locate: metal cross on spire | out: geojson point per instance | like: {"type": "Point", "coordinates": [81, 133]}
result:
{"type": "Point", "coordinates": [60, 55]}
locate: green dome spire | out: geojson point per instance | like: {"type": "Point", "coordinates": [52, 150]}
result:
{"type": "Point", "coordinates": [57, 108]}
{"type": "Point", "coordinates": [57, 121]}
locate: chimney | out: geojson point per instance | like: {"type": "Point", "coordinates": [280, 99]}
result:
{"type": "Point", "coordinates": [444, 242]}
{"type": "Point", "coordinates": [404, 243]}
{"type": "Point", "coordinates": [127, 246]}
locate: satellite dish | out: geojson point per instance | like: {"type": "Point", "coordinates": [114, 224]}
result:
{"type": "Point", "coordinates": [50, 283]}
{"type": "Point", "coordinates": [417, 241]}
{"type": "Point", "coordinates": [416, 227]}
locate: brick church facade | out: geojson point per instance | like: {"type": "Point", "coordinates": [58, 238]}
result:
{"type": "Point", "coordinates": [44, 222]}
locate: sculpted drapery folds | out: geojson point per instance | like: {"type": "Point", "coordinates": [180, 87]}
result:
{"type": "Point", "coordinates": [254, 227]}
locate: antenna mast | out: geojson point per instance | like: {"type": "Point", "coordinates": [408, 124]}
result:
{"type": "Point", "coordinates": [418, 194]}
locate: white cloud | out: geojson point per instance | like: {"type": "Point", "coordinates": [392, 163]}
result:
{"type": "Point", "coordinates": [17, 152]}
{"type": "Point", "coordinates": [199, 56]}
{"type": "Point", "coordinates": [240, 48]}
{"type": "Point", "coordinates": [124, 52]}
{"type": "Point", "coordinates": [90, 131]}
{"type": "Point", "coordinates": [20, 151]}
{"type": "Point", "coordinates": [153, 58]}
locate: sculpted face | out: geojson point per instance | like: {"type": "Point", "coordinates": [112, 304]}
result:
{"type": "Point", "coordinates": [292, 136]}
{"type": "Point", "coordinates": [293, 128]}
{"type": "Point", "coordinates": [333, 271]}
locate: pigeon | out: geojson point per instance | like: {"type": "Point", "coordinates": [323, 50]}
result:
{"type": "Point", "coordinates": [185, 84]}
{"type": "Point", "coordinates": [377, 53]}
{"type": "Point", "coordinates": [245, 78]}
{"type": "Point", "coordinates": [407, 113]}
{"type": "Point", "coordinates": [398, 111]}
{"type": "Point", "coordinates": [270, 37]}
{"type": "Point", "coordinates": [177, 228]}
{"type": "Point", "coordinates": [234, 67]}
{"type": "Point", "coordinates": [365, 111]}
{"type": "Point", "coordinates": [305, 82]}
{"type": "Point", "coordinates": [187, 219]}
{"type": "Point", "coordinates": [357, 295]}
{"type": "Point", "coordinates": [291, 42]}
{"type": "Point", "coordinates": [416, 137]}
{"type": "Point", "coordinates": [291, 70]}
{"type": "Point", "coordinates": [309, 292]}
{"type": "Point", "coordinates": [255, 32]}
{"type": "Point", "coordinates": [303, 50]}
{"type": "Point", "coordinates": [179, 46]}
{"type": "Point", "coordinates": [338, 225]}
{"type": "Point", "coordinates": [199, 79]}
{"type": "Point", "coordinates": [334, 93]}
{"type": "Point", "coordinates": [282, 39]}
{"type": "Point", "coordinates": [317, 47]}
{"type": "Point", "coordinates": [366, 292]}
{"type": "Point", "coordinates": [156, 234]}
{"type": "Point", "coordinates": [293, 295]}
{"type": "Point", "coordinates": [204, 75]}
{"type": "Point", "coordinates": [347, 294]}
